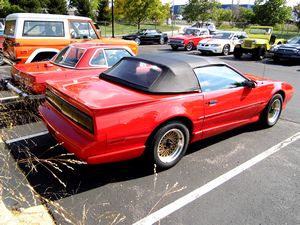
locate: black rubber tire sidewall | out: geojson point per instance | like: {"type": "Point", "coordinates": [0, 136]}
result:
{"type": "Point", "coordinates": [153, 144]}
{"type": "Point", "coordinates": [264, 116]}
{"type": "Point", "coordinates": [174, 47]}
{"type": "Point", "coordinates": [189, 46]}
{"type": "Point", "coordinates": [237, 53]}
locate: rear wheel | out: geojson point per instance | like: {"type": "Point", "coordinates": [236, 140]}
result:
{"type": "Point", "coordinates": [226, 49]}
{"type": "Point", "coordinates": [237, 52]}
{"type": "Point", "coordinates": [138, 41]}
{"type": "Point", "coordinates": [161, 41]}
{"type": "Point", "coordinates": [271, 113]}
{"type": "Point", "coordinates": [174, 47]}
{"type": "Point", "coordinates": [169, 144]}
{"type": "Point", "coordinates": [189, 46]}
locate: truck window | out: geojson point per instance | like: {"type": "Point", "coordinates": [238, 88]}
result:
{"type": "Point", "coordinates": [82, 30]}
{"type": "Point", "coordinates": [10, 26]}
{"type": "Point", "coordinates": [43, 29]}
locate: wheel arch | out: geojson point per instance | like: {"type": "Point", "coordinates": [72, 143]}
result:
{"type": "Point", "coordinates": [185, 120]}
{"type": "Point", "coordinates": [39, 51]}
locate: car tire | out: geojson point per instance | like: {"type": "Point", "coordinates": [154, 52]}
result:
{"type": "Point", "coordinates": [169, 144]}
{"type": "Point", "coordinates": [189, 46]}
{"type": "Point", "coordinates": [161, 41]}
{"type": "Point", "coordinates": [138, 41]}
{"type": "Point", "coordinates": [259, 53]}
{"type": "Point", "coordinates": [272, 111]}
{"type": "Point", "coordinates": [1, 59]}
{"type": "Point", "coordinates": [237, 53]}
{"type": "Point", "coordinates": [226, 50]}
{"type": "Point", "coordinates": [174, 47]}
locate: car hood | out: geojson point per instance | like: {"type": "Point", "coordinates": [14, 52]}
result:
{"type": "Point", "coordinates": [183, 37]}
{"type": "Point", "coordinates": [214, 41]}
{"type": "Point", "coordinates": [95, 93]}
{"type": "Point", "coordinates": [291, 46]}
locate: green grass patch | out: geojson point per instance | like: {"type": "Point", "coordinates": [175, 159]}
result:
{"type": "Point", "coordinates": [121, 29]}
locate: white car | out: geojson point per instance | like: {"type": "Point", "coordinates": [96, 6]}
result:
{"type": "Point", "coordinates": [222, 42]}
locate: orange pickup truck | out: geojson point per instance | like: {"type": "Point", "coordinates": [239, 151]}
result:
{"type": "Point", "coordinates": [31, 37]}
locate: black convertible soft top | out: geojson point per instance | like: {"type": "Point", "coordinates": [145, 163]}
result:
{"type": "Point", "coordinates": [176, 76]}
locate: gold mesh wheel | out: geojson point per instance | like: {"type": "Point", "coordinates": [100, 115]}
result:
{"type": "Point", "coordinates": [171, 145]}
{"type": "Point", "coordinates": [274, 111]}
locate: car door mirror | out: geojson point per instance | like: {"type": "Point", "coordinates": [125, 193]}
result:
{"type": "Point", "coordinates": [249, 84]}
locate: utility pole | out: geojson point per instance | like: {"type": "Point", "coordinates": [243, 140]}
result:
{"type": "Point", "coordinates": [112, 20]}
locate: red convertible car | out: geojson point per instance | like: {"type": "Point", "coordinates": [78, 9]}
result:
{"type": "Point", "coordinates": [74, 61]}
{"type": "Point", "coordinates": [156, 105]}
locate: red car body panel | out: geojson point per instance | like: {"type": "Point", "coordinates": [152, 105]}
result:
{"type": "Point", "coordinates": [124, 118]}
{"type": "Point", "coordinates": [33, 76]}
{"type": "Point", "coordinates": [191, 38]}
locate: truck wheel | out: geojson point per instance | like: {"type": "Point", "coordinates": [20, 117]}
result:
{"type": "Point", "coordinates": [259, 53]}
{"type": "Point", "coordinates": [189, 46]}
{"type": "Point", "coordinates": [174, 47]}
{"type": "Point", "coordinates": [161, 41]}
{"type": "Point", "coordinates": [237, 52]}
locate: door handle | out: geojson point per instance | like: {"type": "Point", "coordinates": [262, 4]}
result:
{"type": "Point", "coordinates": [212, 102]}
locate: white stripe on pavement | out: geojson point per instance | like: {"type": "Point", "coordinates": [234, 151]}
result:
{"type": "Point", "coordinates": [192, 196]}
{"type": "Point", "coordinates": [26, 137]}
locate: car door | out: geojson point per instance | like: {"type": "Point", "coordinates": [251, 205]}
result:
{"type": "Point", "coordinates": [228, 103]}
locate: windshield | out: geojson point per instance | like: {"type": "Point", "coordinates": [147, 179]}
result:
{"type": "Point", "coordinates": [69, 56]}
{"type": "Point", "coordinates": [260, 31]}
{"type": "Point", "coordinates": [223, 36]}
{"type": "Point", "coordinates": [192, 32]}
{"type": "Point", "coordinates": [134, 73]}
{"type": "Point", "coordinates": [294, 40]}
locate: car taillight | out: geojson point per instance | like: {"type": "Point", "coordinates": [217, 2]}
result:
{"type": "Point", "coordinates": [38, 88]}
{"type": "Point", "coordinates": [82, 119]}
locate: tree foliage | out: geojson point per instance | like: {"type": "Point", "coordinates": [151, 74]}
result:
{"type": "Point", "coordinates": [244, 17]}
{"type": "Point", "coordinates": [103, 11]}
{"type": "Point", "coordinates": [32, 6]}
{"type": "Point", "coordinates": [83, 7]}
{"type": "Point", "coordinates": [271, 12]}
{"type": "Point", "coordinates": [221, 15]}
{"type": "Point", "coordinates": [57, 7]}
{"type": "Point", "coordinates": [199, 10]}
{"type": "Point", "coordinates": [158, 12]}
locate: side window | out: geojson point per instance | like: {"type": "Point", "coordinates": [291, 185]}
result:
{"type": "Point", "coordinates": [98, 59]}
{"type": "Point", "coordinates": [82, 30]}
{"type": "Point", "coordinates": [43, 29]}
{"type": "Point", "coordinates": [213, 78]}
{"type": "Point", "coordinates": [115, 55]}
{"type": "Point", "coordinates": [10, 26]}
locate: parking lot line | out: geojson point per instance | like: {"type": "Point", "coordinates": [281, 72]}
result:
{"type": "Point", "coordinates": [26, 137]}
{"type": "Point", "coordinates": [197, 193]}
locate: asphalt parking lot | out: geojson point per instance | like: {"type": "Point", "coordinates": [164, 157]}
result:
{"type": "Point", "coordinates": [210, 185]}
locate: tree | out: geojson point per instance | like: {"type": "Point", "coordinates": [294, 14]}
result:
{"type": "Point", "coordinates": [158, 12]}
{"type": "Point", "coordinates": [57, 7]}
{"type": "Point", "coordinates": [137, 11]}
{"type": "Point", "coordinates": [119, 9]}
{"type": "Point", "coordinates": [33, 6]}
{"type": "Point", "coordinates": [7, 8]}
{"type": "Point", "coordinates": [199, 10]}
{"type": "Point", "coordinates": [221, 15]}
{"type": "Point", "coordinates": [271, 12]}
{"type": "Point", "coordinates": [103, 12]}
{"type": "Point", "coordinates": [245, 17]}
{"type": "Point", "coordinates": [83, 7]}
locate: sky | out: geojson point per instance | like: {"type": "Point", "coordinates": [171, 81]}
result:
{"type": "Point", "coordinates": [182, 2]}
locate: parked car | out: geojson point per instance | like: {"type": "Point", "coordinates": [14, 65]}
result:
{"type": "Point", "coordinates": [291, 50]}
{"type": "Point", "coordinates": [259, 41]}
{"type": "Point", "coordinates": [147, 36]}
{"type": "Point", "coordinates": [31, 37]}
{"type": "Point", "coordinates": [74, 61]}
{"type": "Point", "coordinates": [222, 42]}
{"type": "Point", "coordinates": [189, 39]}
{"type": "Point", "coordinates": [157, 105]}
{"type": "Point", "coordinates": [1, 40]}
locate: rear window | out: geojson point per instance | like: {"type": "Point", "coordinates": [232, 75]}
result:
{"type": "Point", "coordinates": [69, 56]}
{"type": "Point", "coordinates": [43, 29]}
{"type": "Point", "coordinates": [135, 73]}
{"type": "Point", "coordinates": [10, 26]}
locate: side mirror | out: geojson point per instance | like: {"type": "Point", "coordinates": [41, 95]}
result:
{"type": "Point", "coordinates": [249, 84]}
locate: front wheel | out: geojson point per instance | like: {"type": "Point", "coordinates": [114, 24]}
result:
{"type": "Point", "coordinates": [174, 47]}
{"type": "Point", "coordinates": [189, 46]}
{"type": "Point", "coordinates": [169, 144]}
{"type": "Point", "coordinates": [161, 41]}
{"type": "Point", "coordinates": [226, 49]}
{"type": "Point", "coordinates": [237, 52]}
{"type": "Point", "coordinates": [271, 113]}
{"type": "Point", "coordinates": [138, 41]}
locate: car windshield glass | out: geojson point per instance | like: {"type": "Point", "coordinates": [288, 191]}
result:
{"type": "Point", "coordinates": [134, 72]}
{"type": "Point", "coordinates": [223, 35]}
{"type": "Point", "coordinates": [191, 31]}
{"type": "Point", "coordinates": [69, 56]}
{"type": "Point", "coordinates": [260, 31]}
{"type": "Point", "coordinates": [294, 40]}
